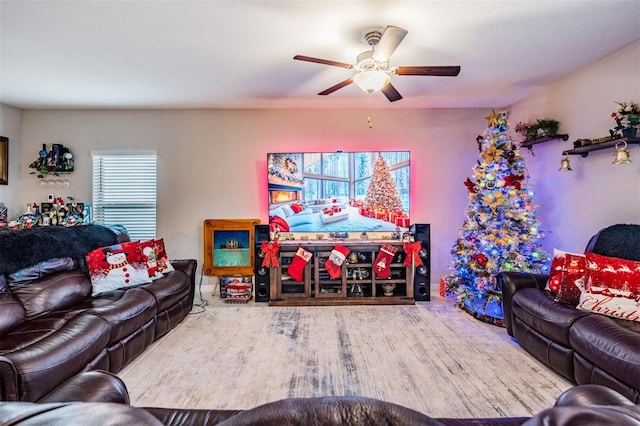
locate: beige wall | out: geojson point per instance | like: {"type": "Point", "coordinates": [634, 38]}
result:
{"type": "Point", "coordinates": [212, 163]}
{"type": "Point", "coordinates": [574, 205]}
{"type": "Point", "coordinates": [10, 127]}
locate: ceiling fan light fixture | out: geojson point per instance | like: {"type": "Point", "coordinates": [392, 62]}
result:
{"type": "Point", "coordinates": [371, 81]}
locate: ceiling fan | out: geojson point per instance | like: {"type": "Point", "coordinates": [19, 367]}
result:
{"type": "Point", "coordinates": [373, 65]}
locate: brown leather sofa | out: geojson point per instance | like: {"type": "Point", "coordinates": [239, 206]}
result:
{"type": "Point", "coordinates": [51, 328]}
{"type": "Point", "coordinates": [586, 348]}
{"type": "Point", "coordinates": [100, 398]}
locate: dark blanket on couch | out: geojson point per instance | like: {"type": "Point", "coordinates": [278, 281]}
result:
{"type": "Point", "coordinates": [27, 247]}
{"type": "Point", "coordinates": [622, 240]}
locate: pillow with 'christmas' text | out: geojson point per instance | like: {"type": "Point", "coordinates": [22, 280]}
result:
{"type": "Point", "coordinates": [116, 266]}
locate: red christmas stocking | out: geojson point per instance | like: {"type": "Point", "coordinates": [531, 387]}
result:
{"type": "Point", "coordinates": [298, 263]}
{"type": "Point", "coordinates": [381, 267]}
{"type": "Point", "coordinates": [333, 265]}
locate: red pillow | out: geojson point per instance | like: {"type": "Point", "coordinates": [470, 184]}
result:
{"type": "Point", "coordinates": [557, 271]}
{"type": "Point", "coordinates": [161, 254]}
{"type": "Point", "coordinates": [613, 273]}
{"type": "Point", "coordinates": [277, 220]}
{"type": "Point", "coordinates": [117, 266]}
{"type": "Point", "coordinates": [297, 208]}
{"type": "Point", "coordinates": [572, 281]}
{"type": "Point", "coordinates": [155, 257]}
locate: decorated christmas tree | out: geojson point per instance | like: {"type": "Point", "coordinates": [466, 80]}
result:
{"type": "Point", "coordinates": [382, 192]}
{"type": "Point", "coordinates": [500, 231]}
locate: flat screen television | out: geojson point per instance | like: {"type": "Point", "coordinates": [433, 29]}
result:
{"type": "Point", "coordinates": [338, 191]}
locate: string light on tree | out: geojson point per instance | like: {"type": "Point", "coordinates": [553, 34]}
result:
{"type": "Point", "coordinates": [500, 231]}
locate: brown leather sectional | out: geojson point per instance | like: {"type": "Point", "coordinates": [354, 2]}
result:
{"type": "Point", "coordinates": [584, 347]}
{"type": "Point", "coordinates": [51, 329]}
{"type": "Point", "coordinates": [100, 398]}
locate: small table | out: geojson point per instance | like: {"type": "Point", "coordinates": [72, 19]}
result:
{"type": "Point", "coordinates": [336, 216]}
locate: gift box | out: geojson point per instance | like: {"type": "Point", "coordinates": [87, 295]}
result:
{"type": "Point", "coordinates": [402, 221]}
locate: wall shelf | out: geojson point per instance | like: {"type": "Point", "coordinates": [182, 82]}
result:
{"type": "Point", "coordinates": [584, 151]}
{"type": "Point", "coordinates": [529, 143]}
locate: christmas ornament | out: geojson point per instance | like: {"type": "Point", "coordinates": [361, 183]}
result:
{"type": "Point", "coordinates": [333, 265]}
{"type": "Point", "coordinates": [269, 250]}
{"type": "Point", "coordinates": [412, 250]}
{"type": "Point", "coordinates": [513, 180]}
{"type": "Point", "coordinates": [382, 265]}
{"type": "Point", "coordinates": [298, 263]}
{"type": "Point", "coordinates": [493, 119]}
{"type": "Point", "coordinates": [565, 164]}
{"type": "Point", "coordinates": [623, 156]}
{"type": "Point", "coordinates": [471, 186]}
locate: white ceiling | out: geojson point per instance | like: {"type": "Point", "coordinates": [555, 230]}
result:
{"type": "Point", "coordinates": [238, 54]}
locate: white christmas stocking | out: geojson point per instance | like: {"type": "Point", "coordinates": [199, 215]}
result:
{"type": "Point", "coordinates": [300, 260]}
{"type": "Point", "coordinates": [333, 265]}
{"type": "Point", "coordinates": [382, 265]}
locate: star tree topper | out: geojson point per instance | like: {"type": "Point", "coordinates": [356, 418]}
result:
{"type": "Point", "coordinates": [493, 118]}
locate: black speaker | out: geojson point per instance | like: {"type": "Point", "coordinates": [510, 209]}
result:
{"type": "Point", "coordinates": [261, 273]}
{"type": "Point", "coordinates": [422, 275]}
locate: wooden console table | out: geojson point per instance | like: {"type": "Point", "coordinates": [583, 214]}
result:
{"type": "Point", "coordinates": [358, 284]}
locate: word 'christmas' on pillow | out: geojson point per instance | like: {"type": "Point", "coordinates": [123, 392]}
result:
{"type": "Point", "coordinates": [117, 266]}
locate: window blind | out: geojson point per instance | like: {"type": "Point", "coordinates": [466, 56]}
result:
{"type": "Point", "coordinates": [124, 192]}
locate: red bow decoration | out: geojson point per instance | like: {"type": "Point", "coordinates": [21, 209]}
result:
{"type": "Point", "coordinates": [513, 180]}
{"type": "Point", "coordinates": [412, 250]}
{"type": "Point", "coordinates": [480, 258]}
{"type": "Point", "coordinates": [479, 141]}
{"type": "Point", "coordinates": [270, 249]}
{"type": "Point", "coordinates": [470, 185]}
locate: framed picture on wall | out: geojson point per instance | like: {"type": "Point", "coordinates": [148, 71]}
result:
{"type": "Point", "coordinates": [228, 246]}
{"type": "Point", "coordinates": [4, 160]}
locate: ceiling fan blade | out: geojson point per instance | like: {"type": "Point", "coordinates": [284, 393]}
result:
{"type": "Point", "coordinates": [336, 87]}
{"type": "Point", "coordinates": [323, 61]}
{"type": "Point", "coordinates": [388, 43]}
{"type": "Point", "coordinates": [391, 93]}
{"type": "Point", "coordinates": [445, 71]}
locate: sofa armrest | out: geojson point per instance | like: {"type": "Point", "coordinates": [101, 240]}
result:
{"type": "Point", "coordinates": [90, 386]}
{"type": "Point", "coordinates": [189, 267]}
{"type": "Point", "coordinates": [587, 395]}
{"type": "Point", "coordinates": [510, 282]}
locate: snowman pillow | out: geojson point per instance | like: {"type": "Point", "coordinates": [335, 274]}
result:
{"type": "Point", "coordinates": [117, 266]}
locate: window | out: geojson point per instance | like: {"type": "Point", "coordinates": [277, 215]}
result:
{"type": "Point", "coordinates": [124, 192]}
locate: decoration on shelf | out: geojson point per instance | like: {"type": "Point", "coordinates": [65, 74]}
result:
{"type": "Point", "coordinates": [298, 263]}
{"type": "Point", "coordinates": [543, 127]}
{"type": "Point", "coordinates": [55, 161]}
{"type": "Point", "coordinates": [627, 118]}
{"type": "Point", "coordinates": [382, 265]}
{"type": "Point", "coordinates": [388, 289]}
{"type": "Point", "coordinates": [333, 265]}
{"type": "Point", "coordinates": [623, 156]}
{"type": "Point", "coordinates": [500, 232]}
{"type": "Point", "coordinates": [565, 164]}
{"type": "Point", "coordinates": [269, 250]}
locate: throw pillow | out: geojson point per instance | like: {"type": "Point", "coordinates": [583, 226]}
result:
{"type": "Point", "coordinates": [613, 273]}
{"type": "Point", "coordinates": [117, 266]}
{"type": "Point", "coordinates": [610, 302]}
{"type": "Point", "coordinates": [297, 208]}
{"type": "Point", "coordinates": [572, 281]}
{"type": "Point", "coordinates": [282, 224]}
{"type": "Point", "coordinates": [161, 254]}
{"type": "Point", "coordinates": [150, 258]}
{"type": "Point", "coordinates": [557, 271]}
